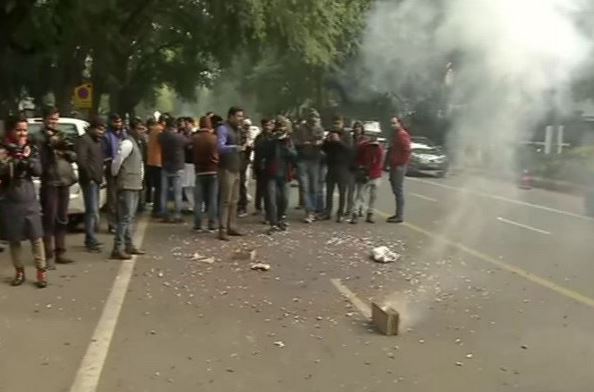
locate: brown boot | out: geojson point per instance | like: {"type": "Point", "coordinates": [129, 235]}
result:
{"type": "Point", "coordinates": [234, 233]}
{"type": "Point", "coordinates": [223, 235]}
{"type": "Point", "coordinates": [19, 277]}
{"type": "Point", "coordinates": [120, 255]}
{"type": "Point", "coordinates": [41, 278]}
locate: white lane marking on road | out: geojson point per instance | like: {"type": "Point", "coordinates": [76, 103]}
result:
{"type": "Point", "coordinates": [89, 373]}
{"type": "Point", "coordinates": [363, 308]}
{"type": "Point", "coordinates": [505, 199]}
{"type": "Point", "coordinates": [423, 197]}
{"type": "Point", "coordinates": [523, 226]}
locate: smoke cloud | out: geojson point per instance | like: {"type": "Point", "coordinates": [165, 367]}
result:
{"type": "Point", "coordinates": [498, 67]}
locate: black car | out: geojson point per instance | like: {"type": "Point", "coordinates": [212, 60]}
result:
{"type": "Point", "coordinates": [427, 158]}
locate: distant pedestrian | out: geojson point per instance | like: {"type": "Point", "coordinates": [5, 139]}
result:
{"type": "Point", "coordinates": [277, 155]}
{"type": "Point", "coordinates": [206, 160]}
{"type": "Point", "coordinates": [397, 162]}
{"type": "Point", "coordinates": [230, 147]}
{"type": "Point", "coordinates": [259, 143]}
{"type": "Point", "coordinates": [340, 160]}
{"type": "Point", "coordinates": [20, 214]}
{"type": "Point", "coordinates": [357, 136]}
{"type": "Point", "coordinates": [173, 151]}
{"type": "Point", "coordinates": [128, 171]}
{"type": "Point", "coordinates": [189, 176]}
{"type": "Point", "coordinates": [112, 139]}
{"type": "Point", "coordinates": [369, 164]}
{"type": "Point", "coordinates": [308, 140]}
{"type": "Point", "coordinates": [90, 158]}
{"type": "Point", "coordinates": [138, 131]}
{"type": "Point", "coordinates": [154, 163]}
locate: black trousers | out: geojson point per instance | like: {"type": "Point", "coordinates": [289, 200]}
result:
{"type": "Point", "coordinates": [337, 177]}
{"type": "Point", "coordinates": [153, 187]}
{"type": "Point", "coordinates": [243, 188]}
{"type": "Point", "coordinates": [260, 190]}
{"type": "Point", "coordinates": [276, 200]}
{"type": "Point", "coordinates": [54, 206]}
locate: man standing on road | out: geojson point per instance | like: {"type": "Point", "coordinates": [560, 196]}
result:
{"type": "Point", "coordinates": [396, 163]}
{"type": "Point", "coordinates": [339, 158]}
{"type": "Point", "coordinates": [229, 167]}
{"type": "Point", "coordinates": [57, 154]}
{"type": "Point", "coordinates": [368, 173]}
{"type": "Point", "coordinates": [277, 155]}
{"type": "Point", "coordinates": [154, 163]}
{"type": "Point", "coordinates": [173, 150]}
{"type": "Point", "coordinates": [91, 157]}
{"type": "Point", "coordinates": [267, 128]}
{"type": "Point", "coordinates": [127, 169]}
{"type": "Point", "coordinates": [206, 160]}
{"type": "Point", "coordinates": [308, 142]}
{"type": "Point", "coordinates": [114, 135]}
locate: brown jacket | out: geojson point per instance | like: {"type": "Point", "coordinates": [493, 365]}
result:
{"type": "Point", "coordinates": [206, 153]}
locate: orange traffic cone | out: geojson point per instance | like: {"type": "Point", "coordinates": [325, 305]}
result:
{"type": "Point", "coordinates": [526, 180]}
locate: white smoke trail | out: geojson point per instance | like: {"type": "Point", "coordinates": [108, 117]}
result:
{"type": "Point", "coordinates": [513, 61]}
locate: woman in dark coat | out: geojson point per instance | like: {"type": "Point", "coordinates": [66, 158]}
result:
{"type": "Point", "coordinates": [20, 213]}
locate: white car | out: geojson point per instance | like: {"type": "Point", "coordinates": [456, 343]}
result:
{"type": "Point", "coordinates": [73, 128]}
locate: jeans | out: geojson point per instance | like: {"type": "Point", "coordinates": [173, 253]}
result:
{"type": "Point", "coordinates": [365, 196]}
{"type": "Point", "coordinates": [54, 205]}
{"type": "Point", "coordinates": [172, 179]}
{"type": "Point", "coordinates": [397, 181]}
{"type": "Point", "coordinates": [205, 194]}
{"type": "Point", "coordinates": [351, 190]}
{"type": "Point", "coordinates": [153, 188]}
{"type": "Point", "coordinates": [126, 212]}
{"type": "Point", "coordinates": [112, 197]}
{"type": "Point", "coordinates": [321, 194]}
{"type": "Point", "coordinates": [90, 193]}
{"type": "Point", "coordinates": [229, 196]}
{"type": "Point", "coordinates": [277, 200]}
{"type": "Point", "coordinates": [338, 176]}
{"type": "Point", "coordinates": [309, 180]}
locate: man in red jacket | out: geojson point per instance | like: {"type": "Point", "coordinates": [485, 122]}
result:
{"type": "Point", "coordinates": [398, 158]}
{"type": "Point", "coordinates": [369, 161]}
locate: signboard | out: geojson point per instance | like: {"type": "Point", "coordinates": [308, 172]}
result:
{"type": "Point", "coordinates": [83, 96]}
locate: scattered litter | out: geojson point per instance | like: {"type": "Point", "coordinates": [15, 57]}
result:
{"type": "Point", "coordinates": [260, 267]}
{"type": "Point", "coordinates": [383, 254]}
{"type": "Point", "coordinates": [197, 256]}
{"type": "Point", "coordinates": [210, 260]}
{"type": "Point", "coordinates": [279, 344]}
{"type": "Point", "coordinates": [469, 356]}
{"type": "Point", "coordinates": [245, 254]}
{"type": "Point", "coordinates": [459, 364]}
{"type": "Point", "coordinates": [160, 274]}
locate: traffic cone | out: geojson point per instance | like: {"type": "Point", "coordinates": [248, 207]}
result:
{"type": "Point", "coordinates": [526, 180]}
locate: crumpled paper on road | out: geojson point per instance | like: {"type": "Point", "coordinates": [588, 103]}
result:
{"type": "Point", "coordinates": [383, 254]}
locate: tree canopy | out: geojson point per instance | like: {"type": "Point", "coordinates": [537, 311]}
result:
{"type": "Point", "coordinates": [130, 49]}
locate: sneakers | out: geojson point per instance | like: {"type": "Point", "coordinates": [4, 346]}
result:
{"type": "Point", "coordinates": [309, 219]}
{"type": "Point", "coordinates": [93, 248]}
{"type": "Point", "coordinates": [394, 219]}
{"type": "Point", "coordinates": [212, 226]}
{"type": "Point", "coordinates": [19, 277]}
{"type": "Point", "coordinates": [339, 218]}
{"type": "Point", "coordinates": [370, 219]}
{"type": "Point", "coordinates": [354, 219]}
{"type": "Point", "coordinates": [273, 229]}
{"type": "Point", "coordinates": [242, 214]}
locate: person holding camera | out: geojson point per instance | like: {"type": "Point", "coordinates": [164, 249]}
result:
{"type": "Point", "coordinates": [57, 155]}
{"type": "Point", "coordinates": [275, 159]}
{"type": "Point", "coordinates": [20, 215]}
{"type": "Point", "coordinates": [368, 173]}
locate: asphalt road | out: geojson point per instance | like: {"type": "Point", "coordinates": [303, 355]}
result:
{"type": "Point", "coordinates": [494, 286]}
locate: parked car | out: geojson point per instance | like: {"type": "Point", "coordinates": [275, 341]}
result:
{"type": "Point", "coordinates": [72, 128]}
{"type": "Point", "coordinates": [427, 158]}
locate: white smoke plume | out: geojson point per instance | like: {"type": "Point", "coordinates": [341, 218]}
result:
{"type": "Point", "coordinates": [512, 61]}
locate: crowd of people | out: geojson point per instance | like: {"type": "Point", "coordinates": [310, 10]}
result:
{"type": "Point", "coordinates": [175, 165]}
